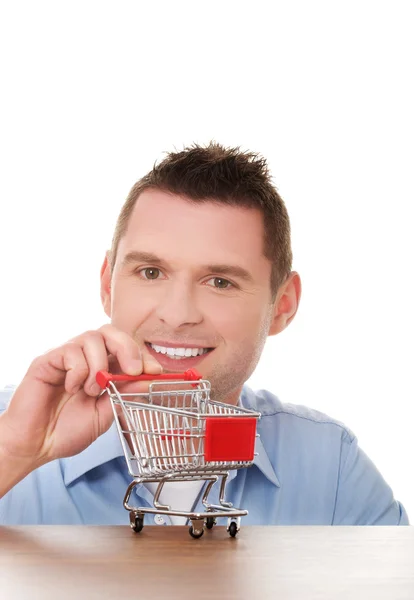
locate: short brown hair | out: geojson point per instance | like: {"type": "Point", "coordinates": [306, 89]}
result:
{"type": "Point", "coordinates": [224, 175]}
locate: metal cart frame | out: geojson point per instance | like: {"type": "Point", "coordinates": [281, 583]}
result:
{"type": "Point", "coordinates": [180, 434]}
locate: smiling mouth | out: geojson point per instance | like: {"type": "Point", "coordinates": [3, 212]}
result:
{"type": "Point", "coordinates": [178, 353]}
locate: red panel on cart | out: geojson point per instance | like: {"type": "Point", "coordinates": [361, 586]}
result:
{"type": "Point", "coordinates": [230, 438]}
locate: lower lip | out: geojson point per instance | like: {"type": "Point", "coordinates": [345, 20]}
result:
{"type": "Point", "coordinates": [177, 364]}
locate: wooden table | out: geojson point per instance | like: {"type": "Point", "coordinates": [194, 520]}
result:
{"type": "Point", "coordinates": [283, 563]}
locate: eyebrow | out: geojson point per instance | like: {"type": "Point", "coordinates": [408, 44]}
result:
{"type": "Point", "coordinates": [149, 257]}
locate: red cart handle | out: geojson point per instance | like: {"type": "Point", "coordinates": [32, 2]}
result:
{"type": "Point", "coordinates": [103, 377]}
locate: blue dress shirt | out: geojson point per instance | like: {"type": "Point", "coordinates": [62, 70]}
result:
{"type": "Point", "coordinates": [309, 471]}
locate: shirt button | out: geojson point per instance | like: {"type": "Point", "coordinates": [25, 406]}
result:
{"type": "Point", "coordinates": [159, 520]}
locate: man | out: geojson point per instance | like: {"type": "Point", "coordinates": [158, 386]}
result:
{"type": "Point", "coordinates": [199, 274]}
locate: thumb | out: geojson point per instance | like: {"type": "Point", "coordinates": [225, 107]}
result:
{"type": "Point", "coordinates": [149, 364]}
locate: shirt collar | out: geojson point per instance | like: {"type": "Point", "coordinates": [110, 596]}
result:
{"type": "Point", "coordinates": [262, 462]}
{"type": "Point", "coordinates": [248, 400]}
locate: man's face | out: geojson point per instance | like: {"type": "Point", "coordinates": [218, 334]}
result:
{"type": "Point", "coordinates": [191, 279]}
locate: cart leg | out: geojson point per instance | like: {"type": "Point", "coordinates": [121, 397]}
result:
{"type": "Point", "coordinates": [157, 496]}
{"type": "Point", "coordinates": [128, 493]}
{"type": "Point", "coordinates": [207, 491]}
{"type": "Point", "coordinates": [222, 491]}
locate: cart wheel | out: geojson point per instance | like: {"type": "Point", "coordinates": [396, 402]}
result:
{"type": "Point", "coordinates": [233, 529]}
{"type": "Point", "coordinates": [195, 534]}
{"type": "Point", "coordinates": [210, 522]}
{"type": "Point", "coordinates": [136, 522]}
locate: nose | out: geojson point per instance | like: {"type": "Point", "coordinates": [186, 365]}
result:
{"type": "Point", "coordinates": [178, 306]}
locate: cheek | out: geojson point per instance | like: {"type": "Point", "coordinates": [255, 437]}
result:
{"type": "Point", "coordinates": [239, 320]}
{"type": "Point", "coordinates": [130, 306]}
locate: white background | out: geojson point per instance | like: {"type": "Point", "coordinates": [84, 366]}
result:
{"type": "Point", "coordinates": [92, 93]}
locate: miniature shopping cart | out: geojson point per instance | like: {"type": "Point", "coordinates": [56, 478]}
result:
{"type": "Point", "coordinates": [175, 432]}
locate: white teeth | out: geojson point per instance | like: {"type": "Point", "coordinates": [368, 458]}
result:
{"type": "Point", "coordinates": [159, 349]}
{"type": "Point", "coordinates": [179, 352]}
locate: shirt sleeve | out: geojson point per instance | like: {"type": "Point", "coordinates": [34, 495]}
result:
{"type": "Point", "coordinates": [5, 397]}
{"type": "Point", "coordinates": [363, 497]}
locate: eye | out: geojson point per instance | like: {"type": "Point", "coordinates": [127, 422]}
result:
{"type": "Point", "coordinates": [150, 273]}
{"type": "Point", "coordinates": [220, 283]}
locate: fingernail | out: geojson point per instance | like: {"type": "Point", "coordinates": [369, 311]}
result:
{"type": "Point", "coordinates": [154, 365]}
{"type": "Point", "coordinates": [135, 367]}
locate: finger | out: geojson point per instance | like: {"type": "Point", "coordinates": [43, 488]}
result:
{"type": "Point", "coordinates": [96, 355]}
{"type": "Point", "coordinates": [64, 365]}
{"type": "Point", "coordinates": [76, 366]}
{"type": "Point", "coordinates": [105, 412]}
{"type": "Point", "coordinates": [127, 352]}
{"type": "Point", "coordinates": [98, 345]}
{"type": "Point", "coordinates": [125, 387]}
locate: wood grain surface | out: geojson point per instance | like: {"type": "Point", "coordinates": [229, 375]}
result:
{"type": "Point", "coordinates": [307, 563]}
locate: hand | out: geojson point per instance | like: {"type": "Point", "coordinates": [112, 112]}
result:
{"type": "Point", "coordinates": [58, 409]}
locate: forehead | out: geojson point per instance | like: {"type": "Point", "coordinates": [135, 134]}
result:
{"type": "Point", "coordinates": [177, 228]}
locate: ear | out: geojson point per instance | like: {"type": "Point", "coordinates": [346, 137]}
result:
{"type": "Point", "coordinates": [106, 286]}
{"type": "Point", "coordinates": [286, 304]}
